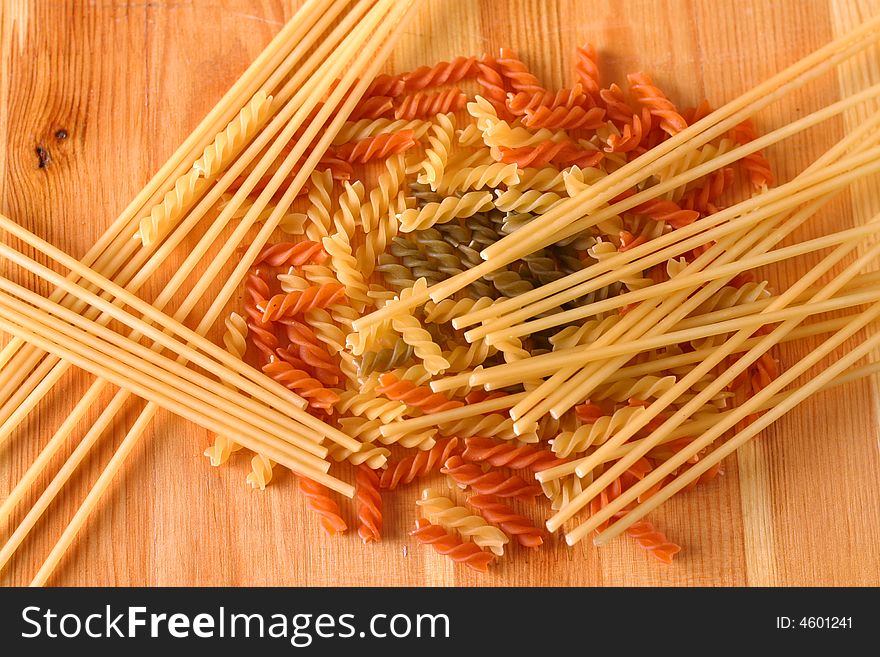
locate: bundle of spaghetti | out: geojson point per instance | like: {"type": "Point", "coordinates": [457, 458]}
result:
{"type": "Point", "coordinates": [134, 367]}
{"type": "Point", "coordinates": [493, 482]}
{"type": "Point", "coordinates": [235, 340]}
{"type": "Point", "coordinates": [421, 104]}
{"type": "Point", "coordinates": [506, 455]}
{"type": "Point", "coordinates": [319, 501]}
{"type": "Point", "coordinates": [452, 207]}
{"type": "Point", "coordinates": [513, 524]}
{"type": "Point", "coordinates": [463, 552]}
{"type": "Point", "coordinates": [377, 147]}
{"type": "Point", "coordinates": [414, 396]}
{"type": "Point", "coordinates": [733, 371]}
{"type": "Point", "coordinates": [442, 511]}
{"type": "Point", "coordinates": [369, 504]}
{"type": "Point", "coordinates": [755, 164]}
{"type": "Point", "coordinates": [351, 46]}
{"type": "Point", "coordinates": [587, 69]}
{"type": "Point", "coordinates": [460, 68]}
{"type": "Point", "coordinates": [113, 257]}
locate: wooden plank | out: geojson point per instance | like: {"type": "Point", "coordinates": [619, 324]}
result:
{"type": "Point", "coordinates": [127, 81]}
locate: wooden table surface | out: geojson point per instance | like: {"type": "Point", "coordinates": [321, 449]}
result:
{"type": "Point", "coordinates": [95, 95]}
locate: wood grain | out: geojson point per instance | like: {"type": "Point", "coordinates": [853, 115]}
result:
{"type": "Point", "coordinates": [107, 89]}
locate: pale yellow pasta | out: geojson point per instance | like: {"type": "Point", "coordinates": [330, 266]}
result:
{"type": "Point", "coordinates": [645, 387]}
{"type": "Point", "coordinates": [375, 457]}
{"type": "Point", "coordinates": [387, 190]}
{"type": "Point", "coordinates": [452, 207]}
{"type": "Point", "coordinates": [443, 511]}
{"type": "Point", "coordinates": [347, 216]}
{"type": "Point", "coordinates": [368, 405]}
{"type": "Point", "coordinates": [361, 428]}
{"type": "Point", "coordinates": [545, 179]}
{"type": "Point", "coordinates": [326, 330]}
{"type": "Point", "coordinates": [216, 156]}
{"type": "Point", "coordinates": [422, 439]}
{"type": "Point", "coordinates": [365, 128]}
{"type": "Point", "coordinates": [492, 425]}
{"type": "Point", "coordinates": [470, 135]}
{"type": "Point", "coordinates": [532, 201]}
{"type": "Point", "coordinates": [292, 283]}
{"type": "Point", "coordinates": [410, 329]}
{"type": "Point", "coordinates": [375, 242]}
{"type": "Point", "coordinates": [448, 309]}
{"type": "Point", "coordinates": [320, 211]}
{"type": "Point", "coordinates": [589, 331]}
{"type": "Point", "coordinates": [292, 223]}
{"type": "Point", "coordinates": [690, 160]}
{"type": "Point", "coordinates": [261, 472]}
{"type": "Point", "coordinates": [470, 159]}
{"type": "Point", "coordinates": [604, 250]}
{"type": "Point", "coordinates": [479, 177]}
{"type": "Point", "coordinates": [347, 272]}
{"type": "Point", "coordinates": [235, 341]}
{"type": "Point", "coordinates": [595, 433]}
{"type": "Point", "coordinates": [437, 154]}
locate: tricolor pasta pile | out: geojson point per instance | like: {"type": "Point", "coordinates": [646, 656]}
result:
{"type": "Point", "coordinates": [434, 166]}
